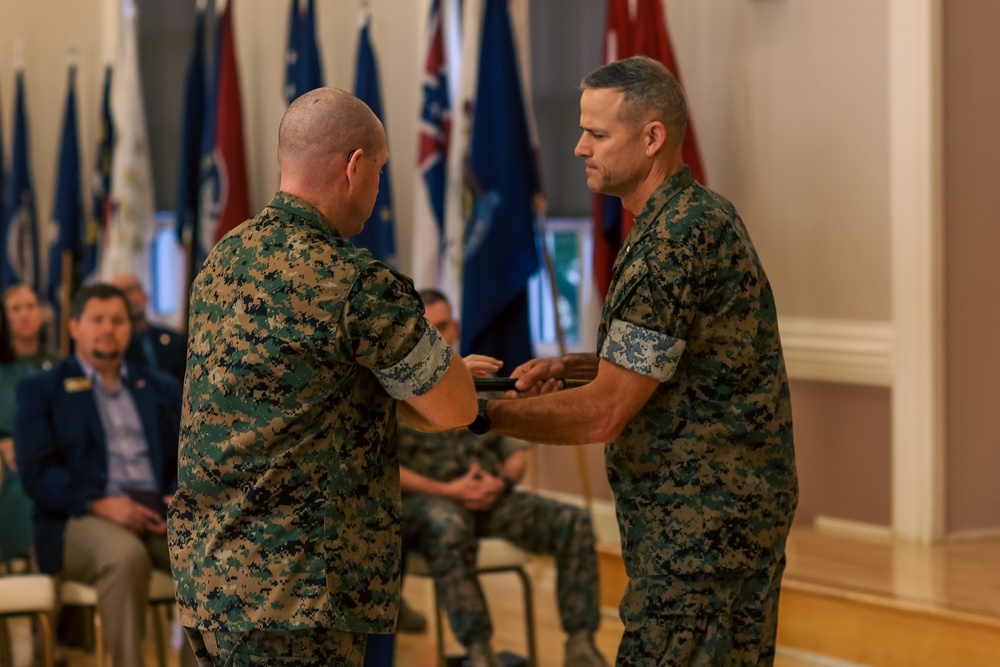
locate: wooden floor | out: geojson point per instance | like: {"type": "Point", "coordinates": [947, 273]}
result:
{"type": "Point", "coordinates": [892, 603]}
{"type": "Point", "coordinates": [960, 576]}
{"type": "Point", "coordinates": [894, 588]}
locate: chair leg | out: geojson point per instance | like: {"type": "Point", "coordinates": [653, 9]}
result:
{"type": "Point", "coordinates": [440, 627]}
{"type": "Point", "coordinates": [6, 646]}
{"type": "Point", "coordinates": [529, 615]}
{"type": "Point", "coordinates": [48, 639]}
{"type": "Point", "coordinates": [161, 650]}
{"type": "Point", "coordinates": [98, 625]}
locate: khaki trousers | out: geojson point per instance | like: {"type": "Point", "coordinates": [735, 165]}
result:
{"type": "Point", "coordinates": [118, 563]}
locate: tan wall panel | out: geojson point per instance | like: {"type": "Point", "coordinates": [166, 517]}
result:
{"type": "Point", "coordinates": [972, 295]}
{"type": "Point", "coordinates": [790, 104]}
{"type": "Point", "coordinates": [842, 444]}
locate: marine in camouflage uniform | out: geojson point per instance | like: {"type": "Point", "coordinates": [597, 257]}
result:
{"type": "Point", "coordinates": [446, 532]}
{"type": "Point", "coordinates": [704, 475]}
{"type": "Point", "coordinates": [284, 532]}
{"type": "Point", "coordinates": [700, 459]}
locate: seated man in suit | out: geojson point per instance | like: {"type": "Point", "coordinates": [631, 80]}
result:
{"type": "Point", "coordinates": [96, 443]}
{"type": "Point", "coordinates": [457, 487]}
{"type": "Point", "coordinates": [151, 346]}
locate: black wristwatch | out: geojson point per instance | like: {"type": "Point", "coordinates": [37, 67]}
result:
{"type": "Point", "coordinates": [481, 424]}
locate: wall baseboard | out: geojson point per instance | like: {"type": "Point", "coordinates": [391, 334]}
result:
{"type": "Point", "coordinates": [850, 528]}
{"type": "Point", "coordinates": [975, 534]}
{"type": "Point", "coordinates": [844, 351]}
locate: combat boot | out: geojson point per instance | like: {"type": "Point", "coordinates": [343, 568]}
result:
{"type": "Point", "coordinates": [581, 652]}
{"type": "Point", "coordinates": [481, 655]}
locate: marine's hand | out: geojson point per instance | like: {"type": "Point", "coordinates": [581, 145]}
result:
{"type": "Point", "coordinates": [480, 365]}
{"type": "Point", "coordinates": [476, 490]}
{"type": "Point", "coordinates": [537, 389]}
{"type": "Point", "coordinates": [532, 372]}
{"type": "Point", "coordinates": [461, 488]}
{"type": "Point", "coordinates": [485, 493]}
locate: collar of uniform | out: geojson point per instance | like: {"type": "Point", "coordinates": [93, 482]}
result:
{"type": "Point", "coordinates": [302, 209]}
{"type": "Point", "coordinates": [669, 189]}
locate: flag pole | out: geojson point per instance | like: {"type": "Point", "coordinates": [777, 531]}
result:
{"type": "Point", "coordinates": [186, 299]}
{"type": "Point", "coordinates": [550, 270]}
{"type": "Point", "coordinates": [65, 287]}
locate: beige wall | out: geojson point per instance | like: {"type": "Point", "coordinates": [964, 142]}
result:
{"type": "Point", "coordinates": [790, 103]}
{"type": "Point", "coordinates": [972, 240]}
{"type": "Point", "coordinates": [842, 437]}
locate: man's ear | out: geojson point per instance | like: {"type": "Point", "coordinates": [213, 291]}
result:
{"type": "Point", "coordinates": [352, 165]}
{"type": "Point", "coordinates": [654, 137]}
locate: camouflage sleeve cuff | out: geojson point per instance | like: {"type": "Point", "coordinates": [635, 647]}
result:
{"type": "Point", "coordinates": [419, 370]}
{"type": "Point", "coordinates": [642, 350]}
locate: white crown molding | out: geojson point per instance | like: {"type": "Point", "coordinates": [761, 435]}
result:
{"type": "Point", "coordinates": [844, 351]}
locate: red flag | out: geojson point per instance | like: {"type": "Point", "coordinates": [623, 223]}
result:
{"type": "Point", "coordinates": [234, 200]}
{"type": "Point", "coordinates": [644, 34]}
{"type": "Point", "coordinates": [651, 40]}
{"type": "Point", "coordinates": [608, 213]}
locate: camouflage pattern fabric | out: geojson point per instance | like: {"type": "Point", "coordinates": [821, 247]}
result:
{"type": "Point", "coordinates": [287, 512]}
{"type": "Point", "coordinates": [447, 456]}
{"type": "Point", "coordinates": [704, 475]}
{"type": "Point", "coordinates": [701, 622]}
{"type": "Point", "coordinates": [446, 533]}
{"type": "Point", "coordinates": [317, 647]}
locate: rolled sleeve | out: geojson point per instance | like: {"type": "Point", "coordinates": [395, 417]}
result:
{"type": "Point", "coordinates": [419, 370]}
{"type": "Point", "coordinates": [642, 350]}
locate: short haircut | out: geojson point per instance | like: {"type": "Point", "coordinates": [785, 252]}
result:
{"type": "Point", "coordinates": [101, 291]}
{"type": "Point", "coordinates": [651, 92]}
{"type": "Point", "coordinates": [430, 296]}
{"type": "Point", "coordinates": [326, 121]}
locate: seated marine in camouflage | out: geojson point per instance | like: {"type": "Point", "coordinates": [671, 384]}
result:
{"type": "Point", "coordinates": [457, 487]}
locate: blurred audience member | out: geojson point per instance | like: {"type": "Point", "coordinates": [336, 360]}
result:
{"type": "Point", "coordinates": [22, 353]}
{"type": "Point", "coordinates": [151, 345]}
{"type": "Point", "coordinates": [96, 443]}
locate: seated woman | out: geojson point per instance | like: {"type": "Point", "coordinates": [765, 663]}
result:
{"type": "Point", "coordinates": [22, 353]}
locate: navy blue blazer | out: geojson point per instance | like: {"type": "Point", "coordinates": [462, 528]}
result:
{"type": "Point", "coordinates": [62, 451]}
{"type": "Point", "coordinates": [169, 350]}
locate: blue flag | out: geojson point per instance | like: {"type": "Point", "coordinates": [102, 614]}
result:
{"type": "Point", "coordinates": [209, 178]}
{"type": "Point", "coordinates": [189, 172]}
{"type": "Point", "coordinates": [67, 213]}
{"type": "Point", "coordinates": [19, 263]}
{"type": "Point", "coordinates": [378, 234]}
{"type": "Point", "coordinates": [501, 253]}
{"type": "Point", "coordinates": [304, 70]}
{"type": "Point", "coordinates": [100, 207]}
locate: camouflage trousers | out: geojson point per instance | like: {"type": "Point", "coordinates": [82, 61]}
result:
{"type": "Point", "coordinates": [313, 647]}
{"type": "Point", "coordinates": [710, 622]}
{"type": "Point", "coordinates": [446, 535]}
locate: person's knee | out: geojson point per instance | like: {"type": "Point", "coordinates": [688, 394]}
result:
{"type": "Point", "coordinates": [130, 561]}
{"type": "Point", "coordinates": [445, 527]}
